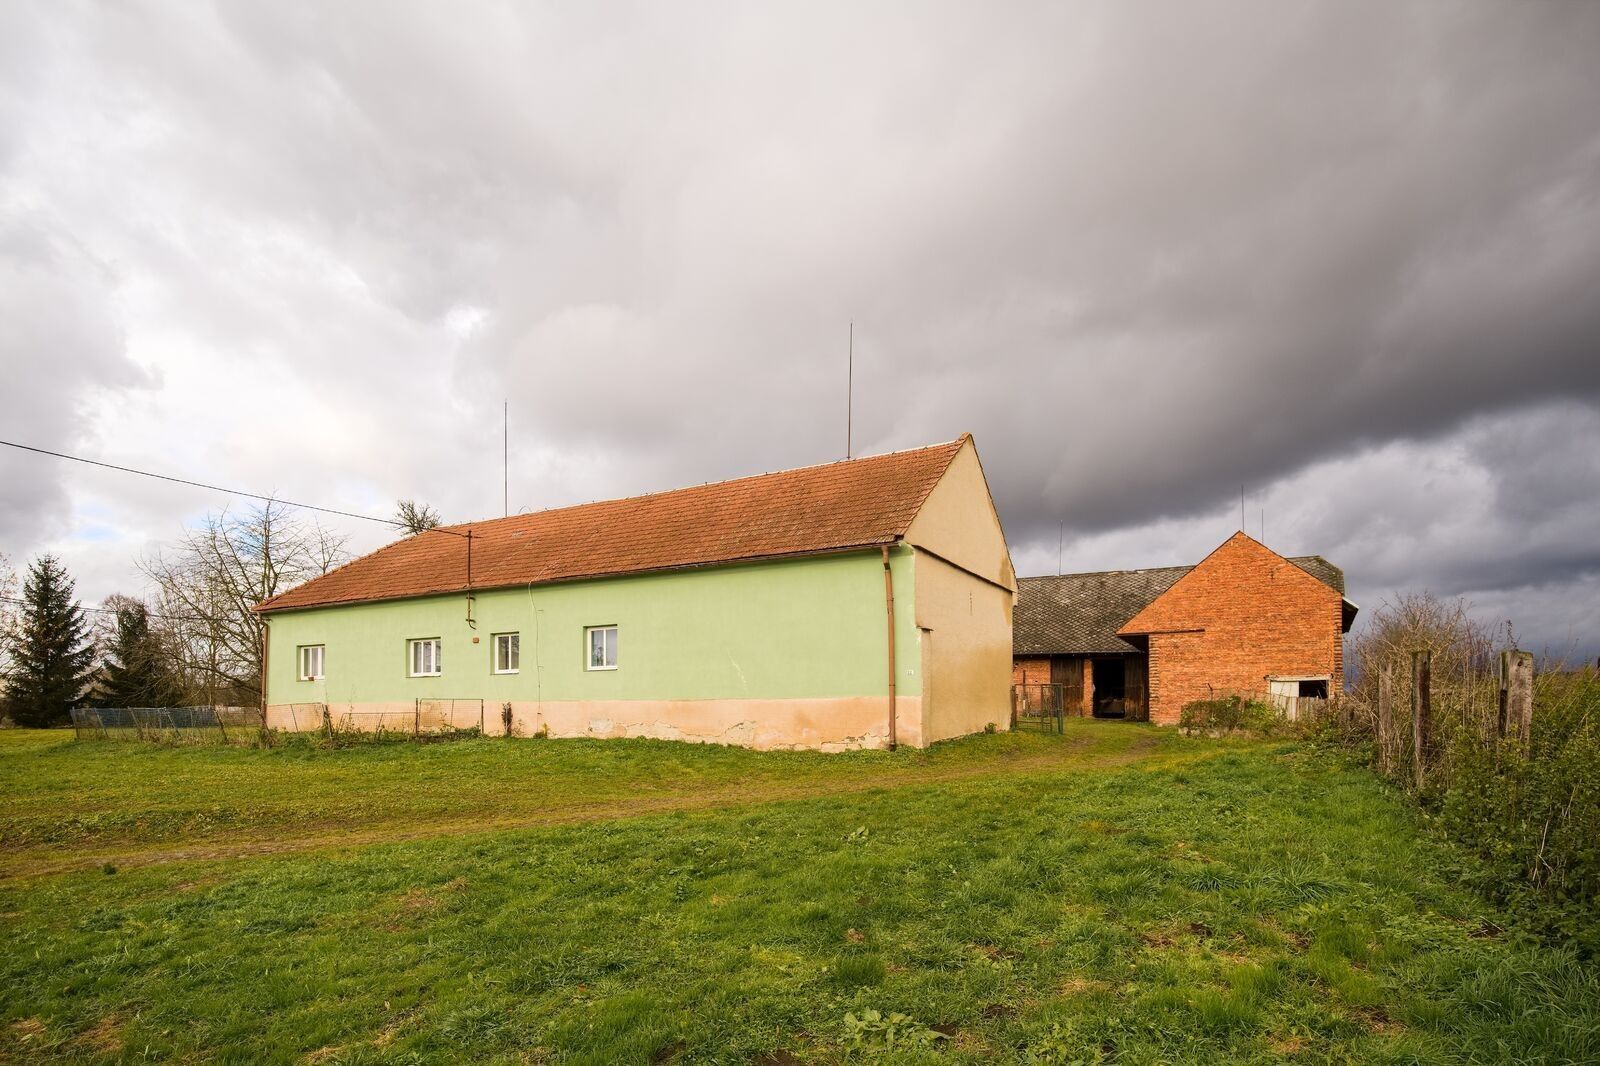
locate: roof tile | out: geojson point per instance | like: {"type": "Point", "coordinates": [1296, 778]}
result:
{"type": "Point", "coordinates": [846, 504]}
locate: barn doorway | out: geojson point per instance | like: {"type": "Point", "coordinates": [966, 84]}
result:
{"type": "Point", "coordinates": [1110, 688]}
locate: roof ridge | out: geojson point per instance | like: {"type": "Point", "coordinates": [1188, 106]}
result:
{"type": "Point", "coordinates": [844, 503]}
{"type": "Point", "coordinates": [1102, 573]}
{"type": "Point", "coordinates": [708, 484]}
{"type": "Point", "coordinates": [922, 500]}
{"type": "Point", "coordinates": [1150, 569]}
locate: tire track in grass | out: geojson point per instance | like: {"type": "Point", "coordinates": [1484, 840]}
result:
{"type": "Point", "coordinates": [50, 862]}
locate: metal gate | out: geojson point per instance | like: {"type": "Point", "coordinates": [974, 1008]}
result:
{"type": "Point", "coordinates": [1039, 708]}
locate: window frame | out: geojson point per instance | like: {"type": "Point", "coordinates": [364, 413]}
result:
{"type": "Point", "coordinates": [411, 656]}
{"type": "Point", "coordinates": [495, 666]}
{"type": "Point", "coordinates": [588, 647]}
{"type": "Point", "coordinates": [322, 661]}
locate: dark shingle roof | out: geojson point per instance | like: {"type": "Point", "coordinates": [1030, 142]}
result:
{"type": "Point", "coordinates": [1079, 614]}
{"type": "Point", "coordinates": [1322, 570]}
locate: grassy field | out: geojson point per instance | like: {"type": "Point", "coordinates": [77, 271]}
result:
{"type": "Point", "coordinates": [1117, 893]}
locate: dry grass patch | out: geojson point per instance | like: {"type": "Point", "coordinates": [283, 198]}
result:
{"type": "Point", "coordinates": [1285, 1046]}
{"type": "Point", "coordinates": [1081, 986]}
{"type": "Point", "coordinates": [104, 1037]}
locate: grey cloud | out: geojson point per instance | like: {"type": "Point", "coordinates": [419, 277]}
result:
{"type": "Point", "coordinates": [59, 341]}
{"type": "Point", "coordinates": [1145, 253]}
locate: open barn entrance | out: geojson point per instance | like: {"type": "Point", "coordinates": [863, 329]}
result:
{"type": "Point", "coordinates": [1110, 688]}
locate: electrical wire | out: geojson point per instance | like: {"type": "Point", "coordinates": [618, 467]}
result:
{"type": "Point", "coordinates": [218, 488]}
{"type": "Point", "coordinates": [111, 610]}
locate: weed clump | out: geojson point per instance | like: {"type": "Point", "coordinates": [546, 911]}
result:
{"type": "Point", "coordinates": [874, 1031]}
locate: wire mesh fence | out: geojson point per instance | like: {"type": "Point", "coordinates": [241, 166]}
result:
{"type": "Point", "coordinates": [195, 725]}
{"type": "Point", "coordinates": [422, 719]}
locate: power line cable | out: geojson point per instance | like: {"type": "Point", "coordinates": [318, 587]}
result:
{"type": "Point", "coordinates": [218, 488]}
{"type": "Point", "coordinates": [111, 610]}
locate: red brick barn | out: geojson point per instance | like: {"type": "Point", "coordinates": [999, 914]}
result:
{"type": "Point", "coordinates": [1140, 644]}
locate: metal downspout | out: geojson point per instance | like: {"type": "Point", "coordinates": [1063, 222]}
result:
{"type": "Point", "coordinates": [266, 651]}
{"type": "Point", "coordinates": [888, 606]}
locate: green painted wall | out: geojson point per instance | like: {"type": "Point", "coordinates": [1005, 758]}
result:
{"type": "Point", "coordinates": [810, 627]}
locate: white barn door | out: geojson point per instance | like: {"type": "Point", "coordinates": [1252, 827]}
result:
{"type": "Point", "coordinates": [1285, 694]}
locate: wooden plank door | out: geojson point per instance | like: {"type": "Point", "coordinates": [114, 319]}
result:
{"type": "Point", "coordinates": [1067, 672]}
{"type": "Point", "coordinates": [1136, 670]}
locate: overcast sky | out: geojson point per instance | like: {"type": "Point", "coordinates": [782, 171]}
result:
{"type": "Point", "coordinates": [1346, 255]}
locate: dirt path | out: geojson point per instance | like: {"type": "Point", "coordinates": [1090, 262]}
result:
{"type": "Point", "coordinates": [46, 863]}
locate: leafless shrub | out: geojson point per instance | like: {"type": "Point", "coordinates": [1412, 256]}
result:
{"type": "Point", "coordinates": [8, 612]}
{"type": "Point", "coordinates": [414, 517]}
{"type": "Point", "coordinates": [209, 581]}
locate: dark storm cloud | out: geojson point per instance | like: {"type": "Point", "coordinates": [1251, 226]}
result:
{"type": "Point", "coordinates": [1342, 253]}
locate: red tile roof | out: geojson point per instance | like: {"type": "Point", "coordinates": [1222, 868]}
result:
{"type": "Point", "coordinates": [847, 504]}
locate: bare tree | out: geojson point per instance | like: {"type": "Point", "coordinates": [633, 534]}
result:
{"type": "Point", "coordinates": [208, 584]}
{"type": "Point", "coordinates": [1419, 621]}
{"type": "Point", "coordinates": [416, 517]}
{"type": "Point", "coordinates": [8, 614]}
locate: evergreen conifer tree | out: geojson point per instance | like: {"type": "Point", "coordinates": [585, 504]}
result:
{"type": "Point", "coordinates": [50, 651]}
{"type": "Point", "coordinates": [136, 673]}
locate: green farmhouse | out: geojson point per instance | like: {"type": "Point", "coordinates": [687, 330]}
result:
{"type": "Point", "coordinates": [862, 603]}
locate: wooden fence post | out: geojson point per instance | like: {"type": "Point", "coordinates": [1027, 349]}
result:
{"type": "Point", "coordinates": [1386, 720]}
{"type": "Point", "coordinates": [1505, 691]}
{"type": "Point", "coordinates": [1421, 714]}
{"type": "Point", "coordinates": [1516, 694]}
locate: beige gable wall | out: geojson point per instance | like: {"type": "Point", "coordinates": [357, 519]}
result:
{"type": "Point", "coordinates": [958, 522]}
{"type": "Point", "coordinates": [965, 590]}
{"type": "Point", "coordinates": [965, 626]}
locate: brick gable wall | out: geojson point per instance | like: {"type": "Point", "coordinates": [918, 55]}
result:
{"type": "Point", "coordinates": [1034, 671]}
{"type": "Point", "coordinates": [1243, 614]}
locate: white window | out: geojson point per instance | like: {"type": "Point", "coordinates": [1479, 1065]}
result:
{"type": "Point", "coordinates": [602, 647]}
{"type": "Point", "coordinates": [507, 653]}
{"type": "Point", "coordinates": [425, 658]}
{"type": "Point", "coordinates": [311, 662]}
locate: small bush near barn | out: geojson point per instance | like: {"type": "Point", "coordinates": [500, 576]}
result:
{"type": "Point", "coordinates": [1230, 714]}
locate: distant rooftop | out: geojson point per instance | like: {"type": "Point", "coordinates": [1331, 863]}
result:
{"type": "Point", "coordinates": [1079, 614]}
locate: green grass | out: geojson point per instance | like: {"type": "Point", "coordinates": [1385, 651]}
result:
{"type": "Point", "coordinates": [1114, 893]}
{"type": "Point", "coordinates": [68, 802]}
